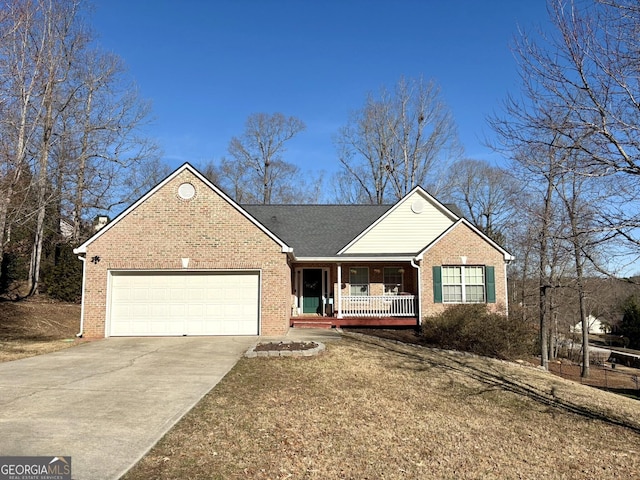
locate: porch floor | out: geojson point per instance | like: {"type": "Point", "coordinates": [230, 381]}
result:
{"type": "Point", "coordinates": [329, 322]}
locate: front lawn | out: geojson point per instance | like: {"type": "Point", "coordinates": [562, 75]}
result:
{"type": "Point", "coordinates": [370, 408]}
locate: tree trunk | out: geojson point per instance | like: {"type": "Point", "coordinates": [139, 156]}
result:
{"type": "Point", "coordinates": [584, 372]}
{"type": "Point", "coordinates": [543, 275]}
{"type": "Point", "coordinates": [544, 348]}
{"type": "Point", "coordinates": [41, 183]}
{"type": "Point", "coordinates": [78, 199]}
{"type": "Point", "coordinates": [36, 253]}
{"type": "Point", "coordinates": [553, 332]}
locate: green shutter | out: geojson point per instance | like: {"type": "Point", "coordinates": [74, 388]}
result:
{"type": "Point", "coordinates": [491, 284]}
{"type": "Point", "coordinates": [437, 285]}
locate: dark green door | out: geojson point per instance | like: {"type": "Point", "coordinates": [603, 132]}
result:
{"type": "Point", "coordinates": [312, 290]}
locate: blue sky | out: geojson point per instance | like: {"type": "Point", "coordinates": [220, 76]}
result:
{"type": "Point", "coordinates": [207, 65]}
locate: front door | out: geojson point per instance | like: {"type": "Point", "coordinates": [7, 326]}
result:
{"type": "Point", "coordinates": [312, 290]}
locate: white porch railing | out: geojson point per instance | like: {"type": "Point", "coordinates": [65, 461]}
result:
{"type": "Point", "coordinates": [378, 305]}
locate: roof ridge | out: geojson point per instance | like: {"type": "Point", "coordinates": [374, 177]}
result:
{"type": "Point", "coordinates": [316, 205]}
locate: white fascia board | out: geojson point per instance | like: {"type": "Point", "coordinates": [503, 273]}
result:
{"type": "Point", "coordinates": [506, 255]}
{"type": "Point", "coordinates": [83, 248]}
{"type": "Point", "coordinates": [403, 258]}
{"type": "Point", "coordinates": [418, 189]}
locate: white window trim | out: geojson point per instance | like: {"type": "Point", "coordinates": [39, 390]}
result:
{"type": "Point", "coordinates": [299, 293]}
{"type": "Point", "coordinates": [464, 284]}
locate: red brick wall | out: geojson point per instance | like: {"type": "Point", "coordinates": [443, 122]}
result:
{"type": "Point", "coordinates": [461, 241]}
{"type": "Point", "coordinates": [207, 230]}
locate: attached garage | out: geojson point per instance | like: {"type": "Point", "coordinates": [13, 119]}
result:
{"type": "Point", "coordinates": [177, 303]}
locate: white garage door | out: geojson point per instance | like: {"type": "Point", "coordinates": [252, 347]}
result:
{"type": "Point", "coordinates": [184, 303]}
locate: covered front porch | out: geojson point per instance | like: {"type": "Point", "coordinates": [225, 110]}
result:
{"type": "Point", "coordinates": [355, 294]}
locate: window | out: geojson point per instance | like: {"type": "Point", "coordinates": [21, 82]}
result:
{"type": "Point", "coordinates": [393, 280]}
{"type": "Point", "coordinates": [359, 281]}
{"type": "Point", "coordinates": [463, 284]}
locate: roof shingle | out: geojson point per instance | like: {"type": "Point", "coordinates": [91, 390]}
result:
{"type": "Point", "coordinates": [316, 230]}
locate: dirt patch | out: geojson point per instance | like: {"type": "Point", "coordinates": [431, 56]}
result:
{"type": "Point", "coordinates": [36, 326]}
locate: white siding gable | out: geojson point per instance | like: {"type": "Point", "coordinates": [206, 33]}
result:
{"type": "Point", "coordinates": [408, 227]}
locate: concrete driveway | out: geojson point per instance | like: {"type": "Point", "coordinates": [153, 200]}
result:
{"type": "Point", "coordinates": [106, 403]}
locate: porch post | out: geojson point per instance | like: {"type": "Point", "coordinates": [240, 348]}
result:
{"type": "Point", "coordinates": [417, 264]}
{"type": "Point", "coordinates": [338, 295]}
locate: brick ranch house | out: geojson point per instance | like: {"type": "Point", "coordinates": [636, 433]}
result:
{"type": "Point", "coordinates": [185, 259]}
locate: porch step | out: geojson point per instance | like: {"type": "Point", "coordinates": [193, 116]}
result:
{"type": "Point", "coordinates": [312, 324]}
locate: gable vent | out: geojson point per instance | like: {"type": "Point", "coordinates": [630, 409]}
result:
{"type": "Point", "coordinates": [417, 206]}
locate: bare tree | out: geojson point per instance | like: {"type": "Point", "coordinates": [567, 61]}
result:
{"type": "Point", "coordinates": [580, 86]}
{"type": "Point", "coordinates": [110, 161]}
{"type": "Point", "coordinates": [579, 103]}
{"type": "Point", "coordinates": [397, 141]}
{"type": "Point", "coordinates": [258, 155]}
{"type": "Point", "coordinates": [578, 216]}
{"type": "Point", "coordinates": [347, 192]}
{"type": "Point", "coordinates": [486, 195]}
{"type": "Point", "coordinates": [238, 184]}
{"type": "Point", "coordinates": [549, 172]}
{"type": "Point", "coordinates": [57, 38]}
{"type": "Point", "coordinates": [67, 122]}
{"type": "Point", "coordinates": [539, 168]}
{"type": "Point", "coordinates": [233, 180]}
{"type": "Point", "coordinates": [19, 82]}
{"type": "Point", "coordinates": [581, 197]}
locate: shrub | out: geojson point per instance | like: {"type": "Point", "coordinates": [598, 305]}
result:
{"type": "Point", "coordinates": [64, 280]}
{"type": "Point", "coordinates": [13, 269]}
{"type": "Point", "coordinates": [630, 325]}
{"type": "Point", "coordinates": [473, 328]}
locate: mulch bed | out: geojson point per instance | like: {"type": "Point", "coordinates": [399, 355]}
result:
{"type": "Point", "coordinates": [284, 346]}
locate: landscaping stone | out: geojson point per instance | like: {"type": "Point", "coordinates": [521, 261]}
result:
{"type": "Point", "coordinates": [285, 349]}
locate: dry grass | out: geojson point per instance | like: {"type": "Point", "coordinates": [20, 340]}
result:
{"type": "Point", "coordinates": [370, 408]}
{"type": "Point", "coordinates": [36, 326]}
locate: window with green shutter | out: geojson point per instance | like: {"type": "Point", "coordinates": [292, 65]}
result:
{"type": "Point", "coordinates": [491, 284]}
{"type": "Point", "coordinates": [437, 284]}
{"type": "Point", "coordinates": [464, 284]}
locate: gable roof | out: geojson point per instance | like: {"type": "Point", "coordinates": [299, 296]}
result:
{"type": "Point", "coordinates": [394, 224]}
{"type": "Point", "coordinates": [317, 230]}
{"type": "Point", "coordinates": [83, 248]}
{"type": "Point", "coordinates": [308, 231]}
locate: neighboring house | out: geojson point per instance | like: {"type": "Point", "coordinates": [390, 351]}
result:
{"type": "Point", "coordinates": [66, 229]}
{"type": "Point", "coordinates": [185, 259]}
{"type": "Point", "coordinates": [595, 326]}
{"type": "Point", "coordinates": [100, 222]}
